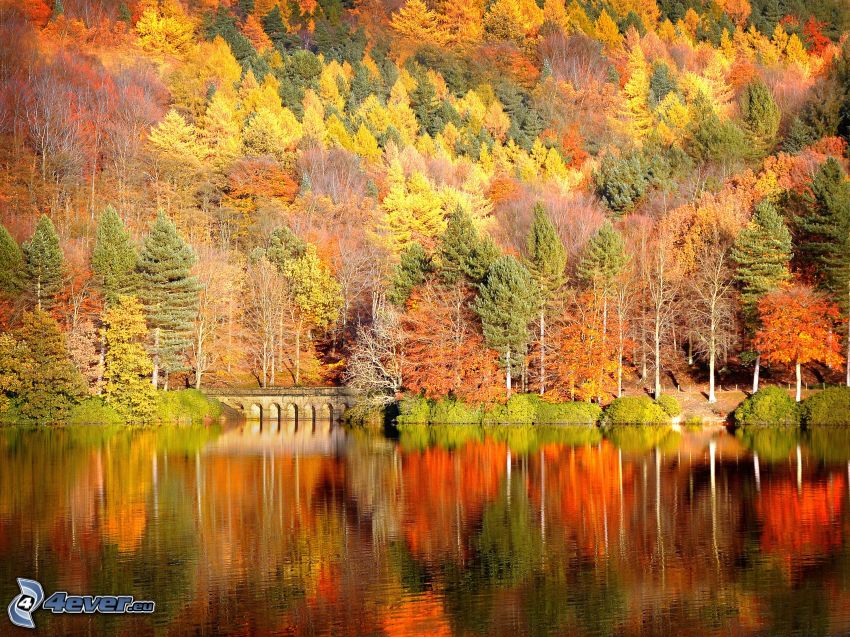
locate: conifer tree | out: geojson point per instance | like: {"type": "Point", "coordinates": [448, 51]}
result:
{"type": "Point", "coordinates": [128, 366]}
{"type": "Point", "coordinates": [636, 92]}
{"type": "Point", "coordinates": [547, 262]}
{"type": "Point", "coordinates": [114, 257]}
{"type": "Point", "coordinates": [12, 268]}
{"type": "Point", "coordinates": [506, 303]}
{"type": "Point", "coordinates": [415, 264]}
{"type": "Point", "coordinates": [826, 233]}
{"type": "Point", "coordinates": [169, 293]}
{"type": "Point", "coordinates": [124, 13]}
{"type": "Point", "coordinates": [58, 10]}
{"type": "Point", "coordinates": [762, 253]}
{"type": "Point", "coordinates": [761, 116]}
{"type": "Point", "coordinates": [48, 384]}
{"type": "Point", "coordinates": [463, 252]}
{"type": "Point", "coordinates": [43, 263]}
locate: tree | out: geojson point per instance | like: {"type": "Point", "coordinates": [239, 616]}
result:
{"type": "Point", "coordinates": [601, 265]}
{"type": "Point", "coordinates": [761, 116]}
{"type": "Point", "coordinates": [462, 253]}
{"type": "Point", "coordinates": [169, 294]}
{"type": "Point", "coordinates": [114, 257]}
{"type": "Point", "coordinates": [761, 253]}
{"type": "Point", "coordinates": [410, 272]}
{"type": "Point", "coordinates": [798, 327]}
{"type": "Point", "coordinates": [127, 386]}
{"type": "Point", "coordinates": [37, 374]}
{"type": "Point", "coordinates": [635, 110]}
{"type": "Point", "coordinates": [12, 266]}
{"type": "Point", "coordinates": [418, 23]}
{"type": "Point", "coordinates": [712, 312]}
{"type": "Point", "coordinates": [547, 262]}
{"type": "Point", "coordinates": [58, 10]}
{"type": "Point", "coordinates": [44, 263]}
{"type": "Point", "coordinates": [375, 364]}
{"type": "Point", "coordinates": [165, 29]}
{"type": "Point", "coordinates": [505, 304]}
{"type": "Point", "coordinates": [826, 236]}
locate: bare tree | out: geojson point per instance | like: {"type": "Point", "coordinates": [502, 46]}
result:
{"type": "Point", "coordinates": [264, 305]}
{"type": "Point", "coordinates": [376, 360]}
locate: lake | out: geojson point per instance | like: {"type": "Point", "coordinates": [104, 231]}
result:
{"type": "Point", "coordinates": [432, 531]}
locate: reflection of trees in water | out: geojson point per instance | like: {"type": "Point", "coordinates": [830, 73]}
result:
{"type": "Point", "coordinates": [772, 444]}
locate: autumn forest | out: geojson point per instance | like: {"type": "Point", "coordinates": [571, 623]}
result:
{"type": "Point", "coordinates": [466, 200]}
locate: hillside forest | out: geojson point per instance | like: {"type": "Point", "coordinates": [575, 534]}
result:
{"type": "Point", "coordinates": [578, 199]}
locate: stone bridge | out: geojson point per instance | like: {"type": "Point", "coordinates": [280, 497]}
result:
{"type": "Point", "coordinates": [290, 407]}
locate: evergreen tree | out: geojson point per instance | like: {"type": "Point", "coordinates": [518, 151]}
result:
{"type": "Point", "coordinates": [604, 259]}
{"type": "Point", "coordinates": [826, 235]}
{"type": "Point", "coordinates": [124, 13]}
{"type": "Point", "coordinates": [44, 382]}
{"type": "Point", "coordinates": [274, 27]}
{"type": "Point", "coordinates": [58, 10]}
{"type": "Point", "coordinates": [661, 83]}
{"type": "Point", "coordinates": [762, 253]}
{"type": "Point", "coordinates": [12, 267]}
{"type": "Point", "coordinates": [506, 302]}
{"type": "Point", "coordinates": [410, 272]}
{"type": "Point", "coordinates": [43, 263]}
{"type": "Point", "coordinates": [547, 263]}
{"type": "Point", "coordinates": [114, 257]}
{"type": "Point", "coordinates": [169, 293]}
{"type": "Point", "coordinates": [127, 384]}
{"type": "Point", "coordinates": [760, 115]}
{"type": "Point", "coordinates": [463, 252]}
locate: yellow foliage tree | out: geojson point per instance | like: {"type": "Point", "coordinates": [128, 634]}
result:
{"type": "Point", "coordinates": [635, 110]}
{"type": "Point", "coordinates": [165, 29]}
{"type": "Point", "coordinates": [606, 31]}
{"type": "Point", "coordinates": [412, 212]}
{"type": "Point", "coordinates": [418, 23]}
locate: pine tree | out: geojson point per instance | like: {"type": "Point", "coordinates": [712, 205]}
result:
{"type": "Point", "coordinates": [12, 267]}
{"type": "Point", "coordinates": [762, 253]}
{"type": "Point", "coordinates": [462, 252]}
{"type": "Point", "coordinates": [48, 384]}
{"type": "Point", "coordinates": [114, 257]}
{"type": "Point", "coordinates": [411, 271]}
{"type": "Point", "coordinates": [127, 384]}
{"type": "Point", "coordinates": [547, 262]}
{"type": "Point", "coordinates": [169, 293]}
{"type": "Point", "coordinates": [761, 116]}
{"type": "Point", "coordinates": [43, 263]}
{"type": "Point", "coordinates": [58, 10]}
{"type": "Point", "coordinates": [826, 235]}
{"type": "Point", "coordinates": [124, 13]}
{"type": "Point", "coordinates": [636, 92]}
{"type": "Point", "coordinates": [506, 303]}
{"type": "Point", "coordinates": [604, 259]}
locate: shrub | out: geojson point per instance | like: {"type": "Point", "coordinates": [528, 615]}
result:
{"type": "Point", "coordinates": [186, 405]}
{"type": "Point", "coordinates": [94, 411]}
{"type": "Point", "coordinates": [366, 416]}
{"type": "Point", "coordinates": [521, 409]}
{"type": "Point", "coordinates": [768, 406]}
{"type": "Point", "coordinates": [670, 405]}
{"type": "Point", "coordinates": [414, 410]}
{"type": "Point", "coordinates": [635, 410]}
{"type": "Point", "coordinates": [828, 407]}
{"type": "Point", "coordinates": [454, 412]}
{"type": "Point", "coordinates": [574, 413]}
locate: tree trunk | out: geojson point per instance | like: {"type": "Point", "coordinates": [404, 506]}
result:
{"type": "Point", "coordinates": [848, 347]}
{"type": "Point", "coordinates": [799, 383]}
{"type": "Point", "coordinates": [101, 361]}
{"type": "Point", "coordinates": [298, 353]}
{"type": "Point", "coordinates": [508, 372]}
{"type": "Point", "coordinates": [155, 375]}
{"type": "Point", "coordinates": [543, 355]}
{"type": "Point", "coordinates": [657, 358]}
{"type": "Point", "coordinates": [711, 358]}
{"type": "Point", "coordinates": [756, 373]}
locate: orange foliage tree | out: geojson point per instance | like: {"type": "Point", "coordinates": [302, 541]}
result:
{"type": "Point", "coordinates": [444, 351]}
{"type": "Point", "coordinates": [799, 327]}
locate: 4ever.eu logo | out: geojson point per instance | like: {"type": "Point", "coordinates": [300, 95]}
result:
{"type": "Point", "coordinates": [31, 598]}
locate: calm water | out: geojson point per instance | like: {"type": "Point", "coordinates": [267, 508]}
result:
{"type": "Point", "coordinates": [443, 531]}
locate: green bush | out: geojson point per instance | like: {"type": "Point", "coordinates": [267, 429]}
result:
{"type": "Point", "coordinates": [635, 410]}
{"type": "Point", "coordinates": [521, 409]}
{"type": "Point", "coordinates": [186, 406]}
{"type": "Point", "coordinates": [670, 405]}
{"type": "Point", "coordinates": [449, 411]}
{"type": "Point", "coordinates": [365, 416]}
{"type": "Point", "coordinates": [574, 413]}
{"type": "Point", "coordinates": [828, 407]}
{"type": "Point", "coordinates": [768, 406]}
{"type": "Point", "coordinates": [93, 411]}
{"type": "Point", "coordinates": [414, 410]}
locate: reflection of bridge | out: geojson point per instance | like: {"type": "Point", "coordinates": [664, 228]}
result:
{"type": "Point", "coordinates": [288, 407]}
{"type": "Point", "coordinates": [248, 439]}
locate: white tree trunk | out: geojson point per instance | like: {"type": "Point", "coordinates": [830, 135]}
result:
{"type": "Point", "coordinates": [543, 354]}
{"type": "Point", "coordinates": [508, 372]}
{"type": "Point", "coordinates": [756, 373]}
{"type": "Point", "coordinates": [799, 383]}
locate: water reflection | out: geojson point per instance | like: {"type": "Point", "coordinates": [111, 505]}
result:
{"type": "Point", "coordinates": [446, 531]}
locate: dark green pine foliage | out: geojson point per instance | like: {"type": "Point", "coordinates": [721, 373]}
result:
{"type": "Point", "coordinates": [506, 303]}
{"type": "Point", "coordinates": [411, 271]}
{"type": "Point", "coordinates": [168, 291]}
{"type": "Point", "coordinates": [284, 246]}
{"type": "Point", "coordinates": [58, 10]}
{"type": "Point", "coordinates": [114, 258]}
{"type": "Point", "coordinates": [221, 23]}
{"type": "Point", "coordinates": [604, 259]}
{"type": "Point", "coordinates": [463, 253]}
{"type": "Point", "coordinates": [49, 384]}
{"type": "Point", "coordinates": [424, 103]}
{"type": "Point", "coordinates": [760, 115]}
{"type": "Point", "coordinates": [621, 181]}
{"type": "Point", "coordinates": [274, 27]}
{"type": "Point", "coordinates": [547, 258]}
{"type": "Point", "coordinates": [762, 253]}
{"type": "Point", "coordinates": [124, 13]}
{"type": "Point", "coordinates": [661, 82]}
{"type": "Point", "coordinates": [826, 230]}
{"type": "Point", "coordinates": [43, 263]}
{"type": "Point", "coordinates": [12, 267]}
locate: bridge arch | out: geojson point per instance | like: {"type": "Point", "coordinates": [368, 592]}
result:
{"type": "Point", "coordinates": [274, 417]}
